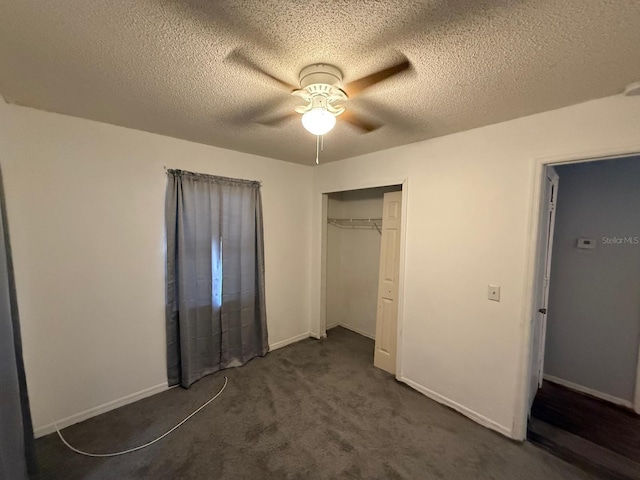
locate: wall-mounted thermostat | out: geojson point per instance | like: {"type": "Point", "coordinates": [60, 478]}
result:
{"type": "Point", "coordinates": [587, 243]}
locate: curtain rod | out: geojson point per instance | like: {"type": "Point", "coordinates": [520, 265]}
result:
{"type": "Point", "coordinates": [214, 178]}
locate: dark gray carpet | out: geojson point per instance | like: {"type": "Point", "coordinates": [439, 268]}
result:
{"type": "Point", "coordinates": [316, 409]}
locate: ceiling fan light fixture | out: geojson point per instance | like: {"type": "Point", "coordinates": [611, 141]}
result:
{"type": "Point", "coordinates": [318, 121]}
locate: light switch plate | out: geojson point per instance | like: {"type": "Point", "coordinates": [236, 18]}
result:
{"type": "Point", "coordinates": [494, 293]}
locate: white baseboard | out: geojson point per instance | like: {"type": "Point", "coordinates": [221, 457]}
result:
{"type": "Point", "coordinates": [588, 391]}
{"type": "Point", "coordinates": [288, 341]}
{"type": "Point", "coordinates": [333, 325]}
{"type": "Point", "coordinates": [147, 392]}
{"type": "Point", "coordinates": [105, 407]}
{"type": "Point", "coordinates": [467, 412]}
{"type": "Point", "coordinates": [358, 331]}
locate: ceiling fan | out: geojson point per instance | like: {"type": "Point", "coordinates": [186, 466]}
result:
{"type": "Point", "coordinates": [322, 89]}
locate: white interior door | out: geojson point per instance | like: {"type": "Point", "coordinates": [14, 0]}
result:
{"type": "Point", "coordinates": [387, 314]}
{"type": "Point", "coordinates": [545, 244]}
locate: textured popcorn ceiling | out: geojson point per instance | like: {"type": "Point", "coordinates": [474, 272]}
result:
{"type": "Point", "coordinates": [161, 66]}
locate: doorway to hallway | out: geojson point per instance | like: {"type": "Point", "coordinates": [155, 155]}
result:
{"type": "Point", "coordinates": [585, 340]}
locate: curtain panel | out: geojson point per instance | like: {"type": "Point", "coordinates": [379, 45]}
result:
{"type": "Point", "coordinates": [17, 449]}
{"type": "Point", "coordinates": [215, 294]}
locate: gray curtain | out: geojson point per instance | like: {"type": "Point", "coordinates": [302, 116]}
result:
{"type": "Point", "coordinates": [215, 314]}
{"type": "Point", "coordinates": [17, 453]}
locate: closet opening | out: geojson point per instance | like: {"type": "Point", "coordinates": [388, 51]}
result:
{"type": "Point", "coordinates": [362, 268]}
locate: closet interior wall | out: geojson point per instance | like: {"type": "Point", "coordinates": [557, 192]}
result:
{"type": "Point", "coordinates": [353, 257]}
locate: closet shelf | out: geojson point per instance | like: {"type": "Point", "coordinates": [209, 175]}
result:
{"type": "Point", "coordinates": [368, 223]}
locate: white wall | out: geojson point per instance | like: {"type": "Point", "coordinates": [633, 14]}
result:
{"type": "Point", "coordinates": [593, 323]}
{"type": "Point", "coordinates": [86, 217]}
{"type": "Point", "coordinates": [469, 224]}
{"type": "Point", "coordinates": [353, 258]}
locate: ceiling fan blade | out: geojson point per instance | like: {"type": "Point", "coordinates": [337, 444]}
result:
{"type": "Point", "coordinates": [275, 121]}
{"type": "Point", "coordinates": [261, 110]}
{"type": "Point", "coordinates": [392, 117]}
{"type": "Point", "coordinates": [357, 86]}
{"type": "Point", "coordinates": [366, 126]}
{"type": "Point", "coordinates": [240, 58]}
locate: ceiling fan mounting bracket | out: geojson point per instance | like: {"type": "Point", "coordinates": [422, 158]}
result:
{"type": "Point", "coordinates": [319, 88]}
{"type": "Point", "coordinates": [320, 73]}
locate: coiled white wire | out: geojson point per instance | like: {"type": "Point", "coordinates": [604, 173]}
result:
{"type": "Point", "coordinates": [115, 454]}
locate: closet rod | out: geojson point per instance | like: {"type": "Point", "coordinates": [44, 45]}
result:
{"type": "Point", "coordinates": [356, 223]}
{"type": "Point", "coordinates": [370, 220]}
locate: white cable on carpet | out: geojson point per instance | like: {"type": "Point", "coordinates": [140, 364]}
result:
{"type": "Point", "coordinates": [146, 444]}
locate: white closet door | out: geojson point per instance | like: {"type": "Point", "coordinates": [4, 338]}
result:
{"type": "Point", "coordinates": [387, 314]}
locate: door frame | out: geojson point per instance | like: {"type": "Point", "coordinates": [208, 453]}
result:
{"type": "Point", "coordinates": [320, 323]}
{"type": "Point", "coordinates": [527, 362]}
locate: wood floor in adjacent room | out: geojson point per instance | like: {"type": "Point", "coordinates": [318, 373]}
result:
{"type": "Point", "coordinates": [587, 431]}
{"type": "Point", "coordinates": [313, 410]}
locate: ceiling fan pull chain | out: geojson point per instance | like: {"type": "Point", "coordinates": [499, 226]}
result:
{"type": "Point", "coordinates": [317, 148]}
{"type": "Point", "coordinates": [322, 143]}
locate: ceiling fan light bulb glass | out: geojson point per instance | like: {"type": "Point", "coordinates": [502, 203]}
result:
{"type": "Point", "coordinates": [318, 121]}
